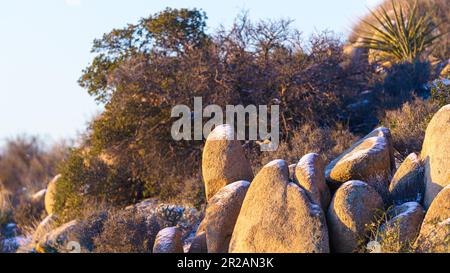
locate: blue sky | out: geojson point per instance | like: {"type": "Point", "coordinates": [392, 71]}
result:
{"type": "Point", "coordinates": [46, 43]}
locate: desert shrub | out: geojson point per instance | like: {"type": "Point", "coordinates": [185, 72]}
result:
{"type": "Point", "coordinates": [89, 225]}
{"type": "Point", "coordinates": [26, 163]}
{"type": "Point", "coordinates": [26, 213]}
{"type": "Point", "coordinates": [170, 213]}
{"type": "Point", "coordinates": [5, 217]}
{"type": "Point", "coordinates": [26, 166]}
{"type": "Point", "coordinates": [388, 240]}
{"type": "Point", "coordinates": [408, 125]}
{"type": "Point", "coordinates": [440, 92]}
{"type": "Point", "coordinates": [191, 193]}
{"type": "Point", "coordinates": [126, 231]}
{"type": "Point", "coordinates": [86, 179]}
{"type": "Point", "coordinates": [405, 79]}
{"type": "Point", "coordinates": [328, 142]}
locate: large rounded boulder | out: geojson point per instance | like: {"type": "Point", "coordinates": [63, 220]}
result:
{"type": "Point", "coordinates": [353, 207]}
{"type": "Point", "coordinates": [407, 185]}
{"type": "Point", "coordinates": [434, 234]}
{"type": "Point", "coordinates": [221, 215]}
{"type": "Point", "coordinates": [310, 175]}
{"type": "Point", "coordinates": [50, 195]}
{"type": "Point", "coordinates": [278, 217]}
{"type": "Point", "coordinates": [370, 160]}
{"type": "Point", "coordinates": [436, 154]}
{"type": "Point", "coordinates": [223, 160]}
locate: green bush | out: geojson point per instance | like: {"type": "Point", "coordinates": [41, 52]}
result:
{"type": "Point", "coordinates": [86, 178]}
{"type": "Point", "coordinates": [440, 92]}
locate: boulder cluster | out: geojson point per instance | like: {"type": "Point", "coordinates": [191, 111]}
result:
{"type": "Point", "coordinates": [307, 206]}
{"type": "Point", "coordinates": [360, 199]}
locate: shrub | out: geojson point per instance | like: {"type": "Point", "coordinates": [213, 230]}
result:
{"type": "Point", "coordinates": [404, 79]}
{"type": "Point", "coordinates": [26, 213]}
{"type": "Point", "coordinates": [86, 179]}
{"type": "Point", "coordinates": [440, 92]}
{"type": "Point", "coordinates": [140, 72]}
{"type": "Point", "coordinates": [25, 163]}
{"type": "Point", "coordinates": [26, 166]}
{"type": "Point", "coordinates": [171, 213]}
{"type": "Point", "coordinates": [328, 142]}
{"type": "Point", "coordinates": [127, 231]}
{"type": "Point", "coordinates": [408, 125]}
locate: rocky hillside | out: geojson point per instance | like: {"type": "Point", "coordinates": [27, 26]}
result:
{"type": "Point", "coordinates": [363, 201]}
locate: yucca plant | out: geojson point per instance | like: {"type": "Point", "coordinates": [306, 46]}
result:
{"type": "Point", "coordinates": [399, 36]}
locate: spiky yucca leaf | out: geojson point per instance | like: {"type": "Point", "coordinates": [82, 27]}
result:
{"type": "Point", "coordinates": [399, 37]}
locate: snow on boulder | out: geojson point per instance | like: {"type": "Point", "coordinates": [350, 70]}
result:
{"type": "Point", "coordinates": [168, 240]}
{"type": "Point", "coordinates": [370, 160]}
{"type": "Point", "coordinates": [310, 175]}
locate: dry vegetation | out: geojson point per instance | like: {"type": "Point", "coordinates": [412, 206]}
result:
{"type": "Point", "coordinates": [408, 125]}
{"type": "Point", "coordinates": [26, 166]}
{"type": "Point", "coordinates": [328, 142]}
{"type": "Point", "coordinates": [140, 71]}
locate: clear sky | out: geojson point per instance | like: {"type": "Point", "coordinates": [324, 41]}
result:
{"type": "Point", "coordinates": [46, 43]}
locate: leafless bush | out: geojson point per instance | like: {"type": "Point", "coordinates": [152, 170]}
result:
{"type": "Point", "coordinates": [408, 125]}
{"type": "Point", "coordinates": [26, 164]}
{"type": "Point", "coordinates": [126, 231]}
{"type": "Point", "coordinates": [328, 142]}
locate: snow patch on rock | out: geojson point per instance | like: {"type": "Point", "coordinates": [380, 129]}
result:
{"type": "Point", "coordinates": [307, 163]}
{"type": "Point", "coordinates": [356, 183]}
{"type": "Point", "coordinates": [280, 163]}
{"type": "Point", "coordinates": [376, 144]}
{"type": "Point", "coordinates": [222, 132]}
